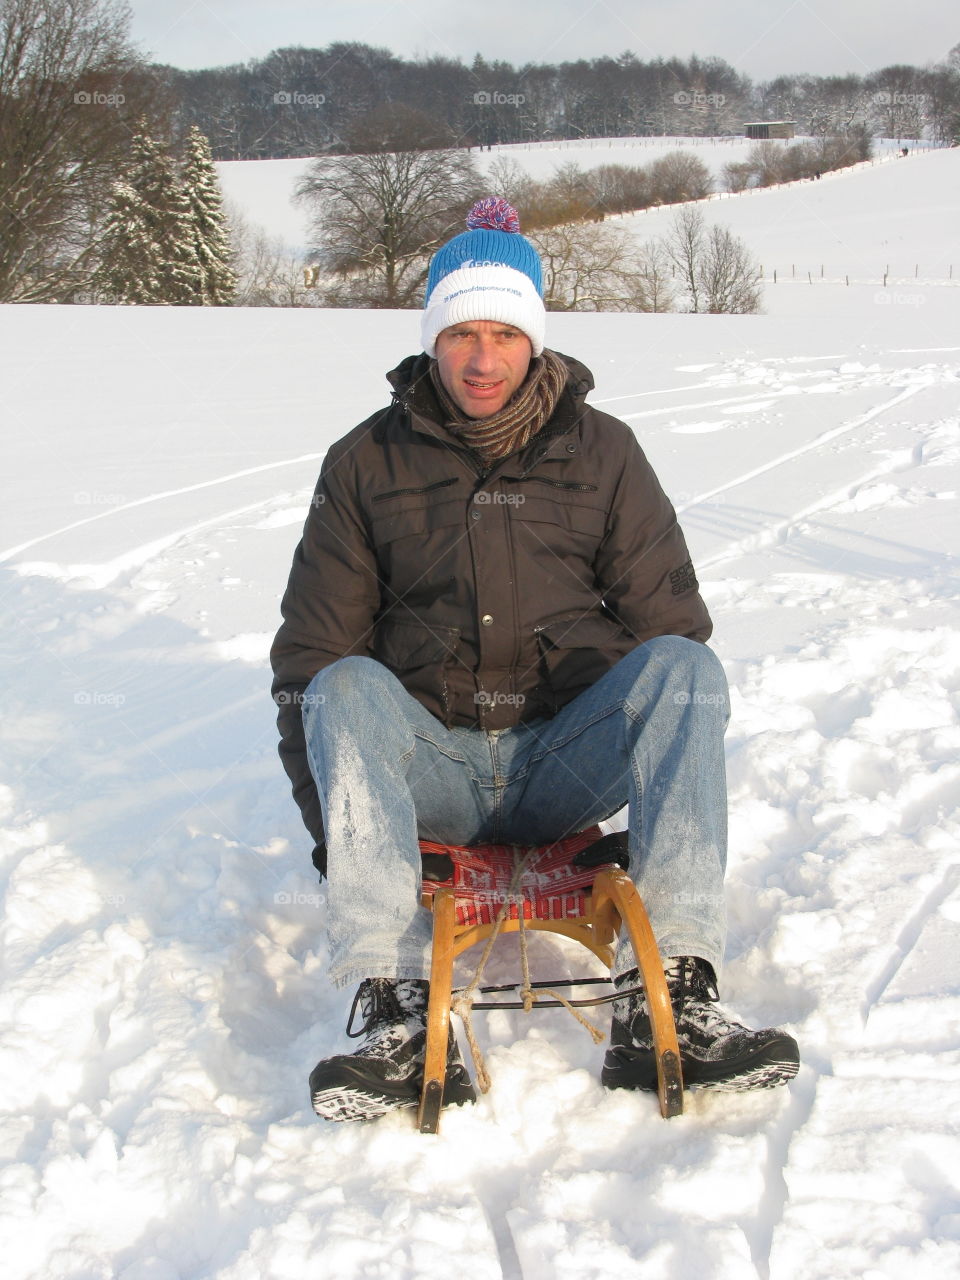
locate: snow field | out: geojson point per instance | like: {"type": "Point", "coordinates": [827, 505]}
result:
{"type": "Point", "coordinates": [163, 933]}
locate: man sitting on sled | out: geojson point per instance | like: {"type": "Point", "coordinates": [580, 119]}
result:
{"type": "Point", "coordinates": [493, 633]}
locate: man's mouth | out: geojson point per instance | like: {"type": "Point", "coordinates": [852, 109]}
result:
{"type": "Point", "coordinates": [481, 386]}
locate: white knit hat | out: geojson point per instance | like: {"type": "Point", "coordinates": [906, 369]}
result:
{"type": "Point", "coordinates": [489, 272]}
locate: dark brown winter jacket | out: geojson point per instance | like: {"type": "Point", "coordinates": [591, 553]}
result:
{"type": "Point", "coordinates": [496, 595]}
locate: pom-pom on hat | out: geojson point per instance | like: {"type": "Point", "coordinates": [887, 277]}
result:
{"type": "Point", "coordinates": [488, 272]}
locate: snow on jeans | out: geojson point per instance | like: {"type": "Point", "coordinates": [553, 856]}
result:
{"type": "Point", "coordinates": [649, 734]}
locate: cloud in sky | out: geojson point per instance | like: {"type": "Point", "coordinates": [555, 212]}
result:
{"type": "Point", "coordinates": [762, 38]}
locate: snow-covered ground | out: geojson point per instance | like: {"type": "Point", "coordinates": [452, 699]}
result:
{"type": "Point", "coordinates": [163, 942]}
{"type": "Point", "coordinates": [898, 215]}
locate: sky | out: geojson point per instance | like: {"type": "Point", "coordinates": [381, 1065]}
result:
{"type": "Point", "coordinates": [761, 38]}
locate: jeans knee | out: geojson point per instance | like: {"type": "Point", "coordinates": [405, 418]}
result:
{"type": "Point", "coordinates": [694, 671]}
{"type": "Point", "coordinates": [347, 682]}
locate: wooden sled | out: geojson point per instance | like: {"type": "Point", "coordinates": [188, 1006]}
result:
{"type": "Point", "coordinates": [575, 887]}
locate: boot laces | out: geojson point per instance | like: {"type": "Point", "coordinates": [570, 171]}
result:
{"type": "Point", "coordinates": [386, 1002]}
{"type": "Point", "coordinates": [695, 999]}
{"type": "Point", "coordinates": [377, 998]}
{"type": "Point", "coordinates": [690, 978]}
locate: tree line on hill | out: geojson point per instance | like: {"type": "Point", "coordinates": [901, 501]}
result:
{"type": "Point", "coordinates": [299, 101]}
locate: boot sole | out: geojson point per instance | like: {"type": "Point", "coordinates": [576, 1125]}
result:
{"type": "Point", "coordinates": [774, 1063]}
{"type": "Point", "coordinates": [339, 1091]}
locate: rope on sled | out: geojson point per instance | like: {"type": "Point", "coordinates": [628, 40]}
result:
{"type": "Point", "coordinates": [462, 1004]}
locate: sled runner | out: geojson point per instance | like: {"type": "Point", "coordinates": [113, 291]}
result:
{"type": "Point", "coordinates": [576, 887]}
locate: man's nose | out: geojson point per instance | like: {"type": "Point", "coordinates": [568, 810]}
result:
{"type": "Point", "coordinates": [483, 354]}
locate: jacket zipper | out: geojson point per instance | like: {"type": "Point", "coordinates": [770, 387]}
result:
{"type": "Point", "coordinates": [557, 484]}
{"type": "Point", "coordinates": [425, 488]}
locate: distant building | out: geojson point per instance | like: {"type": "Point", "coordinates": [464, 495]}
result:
{"type": "Point", "coordinates": [761, 129]}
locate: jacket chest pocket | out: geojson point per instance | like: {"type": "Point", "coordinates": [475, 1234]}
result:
{"type": "Point", "coordinates": [557, 541]}
{"type": "Point", "coordinates": [418, 546]}
{"type": "Point", "coordinates": [571, 514]}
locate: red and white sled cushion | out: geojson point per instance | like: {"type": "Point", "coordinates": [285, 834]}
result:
{"type": "Point", "coordinates": [550, 887]}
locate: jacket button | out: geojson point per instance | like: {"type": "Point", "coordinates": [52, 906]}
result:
{"type": "Point", "coordinates": [571, 448]}
{"type": "Point", "coordinates": [487, 620]}
{"type": "Point", "coordinates": [475, 515]}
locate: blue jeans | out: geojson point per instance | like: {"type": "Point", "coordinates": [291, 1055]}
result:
{"type": "Point", "coordinates": [648, 734]}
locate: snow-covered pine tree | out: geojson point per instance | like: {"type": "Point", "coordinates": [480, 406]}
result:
{"type": "Point", "coordinates": [218, 280]}
{"type": "Point", "coordinates": [150, 254]}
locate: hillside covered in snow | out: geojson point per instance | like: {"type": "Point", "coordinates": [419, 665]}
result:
{"type": "Point", "coordinates": [851, 221]}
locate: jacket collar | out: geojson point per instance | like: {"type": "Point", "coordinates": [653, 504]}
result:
{"type": "Point", "coordinates": [413, 392]}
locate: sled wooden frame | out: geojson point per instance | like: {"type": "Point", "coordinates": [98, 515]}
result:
{"type": "Point", "coordinates": [611, 902]}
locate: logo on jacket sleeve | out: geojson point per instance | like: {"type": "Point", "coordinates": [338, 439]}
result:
{"type": "Point", "coordinates": [683, 579]}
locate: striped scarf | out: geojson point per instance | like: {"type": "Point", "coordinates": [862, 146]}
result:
{"type": "Point", "coordinates": [518, 421]}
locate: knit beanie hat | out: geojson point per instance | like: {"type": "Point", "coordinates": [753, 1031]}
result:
{"type": "Point", "coordinates": [489, 272]}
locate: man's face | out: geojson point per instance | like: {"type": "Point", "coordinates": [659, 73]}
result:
{"type": "Point", "coordinates": [482, 362]}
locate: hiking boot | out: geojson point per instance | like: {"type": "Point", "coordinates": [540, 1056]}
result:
{"type": "Point", "coordinates": [716, 1051]}
{"type": "Point", "coordinates": [386, 1071]}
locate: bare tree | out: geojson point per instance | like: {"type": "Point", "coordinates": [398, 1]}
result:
{"type": "Point", "coordinates": [567, 196]}
{"type": "Point", "coordinates": [655, 278]}
{"type": "Point", "coordinates": [70, 83]}
{"type": "Point", "coordinates": [268, 272]}
{"type": "Point", "coordinates": [380, 216]}
{"type": "Point", "coordinates": [620, 188]}
{"type": "Point", "coordinates": [570, 194]}
{"type": "Point", "coordinates": [715, 267]}
{"type": "Point", "coordinates": [590, 266]}
{"type": "Point", "coordinates": [679, 176]}
{"type": "Point", "coordinates": [736, 176]}
{"type": "Point", "coordinates": [507, 178]}
{"type": "Point", "coordinates": [684, 248]}
{"type": "Point", "coordinates": [728, 276]}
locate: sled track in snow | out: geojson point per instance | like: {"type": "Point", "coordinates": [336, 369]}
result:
{"type": "Point", "coordinates": [167, 493]}
{"type": "Point", "coordinates": [782, 527]}
{"type": "Point", "coordinates": [909, 936]}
